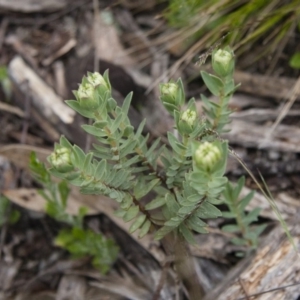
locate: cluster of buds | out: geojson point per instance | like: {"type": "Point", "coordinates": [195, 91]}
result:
{"type": "Point", "coordinates": [91, 90]}
{"type": "Point", "coordinates": [60, 160]}
{"type": "Point", "coordinates": [223, 62]}
{"type": "Point", "coordinates": [206, 156]}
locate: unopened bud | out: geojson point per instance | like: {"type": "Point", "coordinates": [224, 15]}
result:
{"type": "Point", "coordinates": [207, 155]}
{"type": "Point", "coordinates": [86, 91]}
{"type": "Point", "coordinates": [96, 79]}
{"type": "Point", "coordinates": [168, 92]}
{"type": "Point", "coordinates": [87, 96]}
{"type": "Point", "coordinates": [187, 121]}
{"type": "Point", "coordinates": [223, 62]}
{"type": "Point", "coordinates": [61, 160]}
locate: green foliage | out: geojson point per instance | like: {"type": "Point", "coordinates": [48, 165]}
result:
{"type": "Point", "coordinates": [205, 22]}
{"type": "Point", "coordinates": [187, 188]}
{"type": "Point", "coordinates": [78, 241]}
{"type": "Point", "coordinates": [295, 61]}
{"type": "Point", "coordinates": [81, 243]}
{"type": "Point", "coordinates": [249, 232]}
{"type": "Point", "coordinates": [5, 82]}
{"type": "Point", "coordinates": [6, 214]}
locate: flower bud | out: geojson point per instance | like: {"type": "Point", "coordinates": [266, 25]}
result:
{"type": "Point", "coordinates": [223, 62]}
{"type": "Point", "coordinates": [187, 121]}
{"type": "Point", "coordinates": [206, 156]}
{"type": "Point", "coordinates": [86, 91]}
{"type": "Point", "coordinates": [168, 92]}
{"type": "Point", "coordinates": [61, 160]}
{"type": "Point", "coordinates": [87, 96]}
{"type": "Point", "coordinates": [96, 79]}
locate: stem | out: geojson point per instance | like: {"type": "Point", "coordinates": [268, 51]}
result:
{"type": "Point", "coordinates": [184, 264]}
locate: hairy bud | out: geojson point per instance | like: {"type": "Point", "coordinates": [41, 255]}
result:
{"type": "Point", "coordinates": [223, 62]}
{"type": "Point", "coordinates": [61, 160]}
{"type": "Point", "coordinates": [207, 155]}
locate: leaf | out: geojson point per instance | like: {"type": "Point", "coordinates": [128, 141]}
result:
{"type": "Point", "coordinates": [127, 148]}
{"type": "Point", "coordinates": [101, 169]}
{"type": "Point", "coordinates": [231, 228]}
{"type": "Point", "coordinates": [295, 61]}
{"type": "Point", "coordinates": [64, 142]}
{"type": "Point", "coordinates": [140, 128]}
{"type": "Point", "coordinates": [185, 210]}
{"type": "Point", "coordinates": [228, 215]}
{"type": "Point", "coordinates": [245, 201]}
{"type": "Point", "coordinates": [126, 104]}
{"type": "Point", "coordinates": [176, 146]}
{"type": "Point", "coordinates": [196, 224]}
{"type": "Point", "coordinates": [64, 191]}
{"type": "Point", "coordinates": [152, 148]}
{"type": "Point", "coordinates": [94, 130]}
{"type": "Point", "coordinates": [162, 232]}
{"type": "Point", "coordinates": [213, 83]}
{"type": "Point", "coordinates": [87, 164]}
{"type": "Point", "coordinates": [145, 188]}
{"type": "Point", "coordinates": [252, 216]}
{"type": "Point", "coordinates": [117, 122]}
{"type": "Point", "coordinates": [174, 222]}
{"type": "Point", "coordinates": [137, 223]}
{"type": "Point", "coordinates": [156, 203]}
{"type": "Point", "coordinates": [207, 210]}
{"type": "Point", "coordinates": [187, 234]}
{"type": "Point", "coordinates": [79, 156]}
{"type": "Point", "coordinates": [145, 228]}
{"type": "Point", "coordinates": [239, 187]}
{"type": "Point", "coordinates": [171, 203]}
{"type": "Point", "coordinates": [76, 106]}
{"type": "Point", "coordinates": [239, 242]}
{"type": "Point", "coordinates": [131, 213]}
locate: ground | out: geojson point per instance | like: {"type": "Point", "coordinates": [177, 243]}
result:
{"type": "Point", "coordinates": [45, 51]}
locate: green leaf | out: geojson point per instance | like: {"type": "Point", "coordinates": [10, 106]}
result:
{"type": "Point", "coordinates": [295, 61]}
{"type": "Point", "coordinates": [239, 187]}
{"type": "Point", "coordinates": [207, 210]}
{"type": "Point", "coordinates": [213, 83]}
{"type": "Point", "coordinates": [259, 229]}
{"type": "Point", "coordinates": [231, 228]}
{"type": "Point", "coordinates": [252, 216]}
{"type": "Point", "coordinates": [145, 229]}
{"type": "Point", "coordinates": [101, 169]}
{"type": "Point", "coordinates": [228, 215]}
{"type": "Point", "coordinates": [137, 223]}
{"type": "Point", "coordinates": [187, 234]}
{"type": "Point", "coordinates": [126, 104]}
{"type": "Point", "coordinates": [131, 213]}
{"type": "Point", "coordinates": [171, 203]}
{"type": "Point", "coordinates": [142, 190]}
{"type": "Point", "coordinates": [175, 144]}
{"type": "Point", "coordinates": [94, 130]}
{"type": "Point", "coordinates": [76, 106]}
{"type": "Point", "coordinates": [196, 224]}
{"type": "Point", "coordinates": [162, 232]}
{"type": "Point", "coordinates": [152, 148]}
{"type": "Point", "coordinates": [239, 242]}
{"type": "Point", "coordinates": [64, 191]}
{"type": "Point", "coordinates": [156, 203]}
{"type": "Point", "coordinates": [185, 210]}
{"type": "Point", "coordinates": [87, 164]}
{"type": "Point", "coordinates": [79, 156]}
{"type": "Point", "coordinates": [174, 222]}
{"type": "Point", "coordinates": [64, 142]}
{"type": "Point", "coordinates": [245, 201]}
